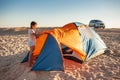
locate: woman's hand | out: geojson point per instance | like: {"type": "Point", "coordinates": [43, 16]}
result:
{"type": "Point", "coordinates": [44, 32]}
{"type": "Point", "coordinates": [41, 33]}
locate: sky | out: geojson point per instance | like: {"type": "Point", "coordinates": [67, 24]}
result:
{"type": "Point", "coordinates": [53, 13]}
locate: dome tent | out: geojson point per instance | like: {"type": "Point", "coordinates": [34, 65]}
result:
{"type": "Point", "coordinates": [83, 41]}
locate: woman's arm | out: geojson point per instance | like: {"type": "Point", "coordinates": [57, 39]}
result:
{"type": "Point", "coordinates": [41, 33]}
{"type": "Point", "coordinates": [44, 32]}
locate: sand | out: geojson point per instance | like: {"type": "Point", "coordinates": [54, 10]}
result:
{"type": "Point", "coordinates": [13, 48]}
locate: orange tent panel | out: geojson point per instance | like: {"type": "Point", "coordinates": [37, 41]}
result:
{"type": "Point", "coordinates": [39, 44]}
{"type": "Point", "coordinates": [70, 37]}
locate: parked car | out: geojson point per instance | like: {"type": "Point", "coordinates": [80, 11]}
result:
{"type": "Point", "coordinates": [96, 24]}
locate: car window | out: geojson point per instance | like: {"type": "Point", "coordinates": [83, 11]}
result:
{"type": "Point", "coordinates": [92, 21]}
{"type": "Point", "coordinates": [98, 21]}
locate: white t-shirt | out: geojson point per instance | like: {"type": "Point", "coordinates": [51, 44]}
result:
{"type": "Point", "coordinates": [32, 38]}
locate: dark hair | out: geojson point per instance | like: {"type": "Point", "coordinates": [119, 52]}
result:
{"type": "Point", "coordinates": [32, 24]}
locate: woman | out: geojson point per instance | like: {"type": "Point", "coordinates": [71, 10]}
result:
{"type": "Point", "coordinates": [32, 40]}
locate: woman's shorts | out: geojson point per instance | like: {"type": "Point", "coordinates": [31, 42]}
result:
{"type": "Point", "coordinates": [31, 43]}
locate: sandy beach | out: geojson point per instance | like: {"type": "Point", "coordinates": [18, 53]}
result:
{"type": "Point", "coordinates": [13, 48]}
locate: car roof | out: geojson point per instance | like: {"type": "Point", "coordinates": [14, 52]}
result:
{"type": "Point", "coordinates": [96, 20]}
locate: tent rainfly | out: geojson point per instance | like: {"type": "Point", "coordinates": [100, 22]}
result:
{"type": "Point", "coordinates": [73, 39]}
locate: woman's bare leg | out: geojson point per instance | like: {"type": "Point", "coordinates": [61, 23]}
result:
{"type": "Point", "coordinates": [31, 55]}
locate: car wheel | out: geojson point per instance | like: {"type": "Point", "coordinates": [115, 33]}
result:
{"type": "Point", "coordinates": [103, 27]}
